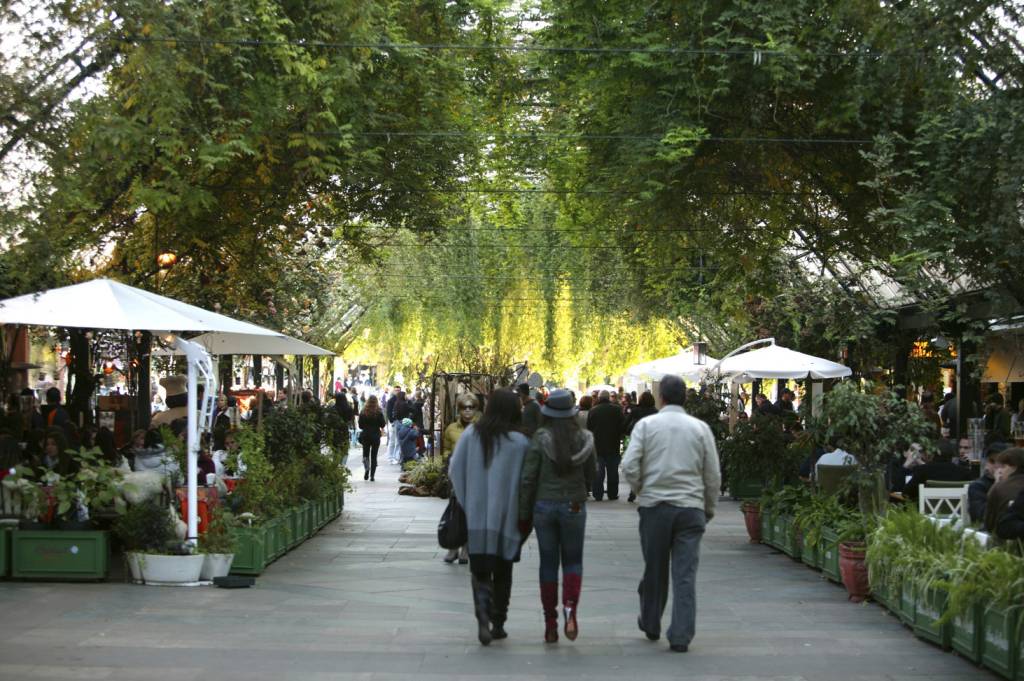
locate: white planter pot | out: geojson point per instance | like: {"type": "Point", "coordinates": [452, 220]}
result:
{"type": "Point", "coordinates": [216, 565]}
{"type": "Point", "coordinates": [171, 570]}
{"type": "Point", "coordinates": [134, 559]}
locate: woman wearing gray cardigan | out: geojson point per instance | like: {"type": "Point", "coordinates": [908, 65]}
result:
{"type": "Point", "coordinates": [484, 470]}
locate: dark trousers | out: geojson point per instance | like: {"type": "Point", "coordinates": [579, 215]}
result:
{"type": "Point", "coordinates": [670, 534]}
{"type": "Point", "coordinates": [370, 456]}
{"type": "Point", "coordinates": [607, 464]}
{"type": "Point", "coordinates": [560, 532]}
{"type": "Point", "coordinates": [492, 585]}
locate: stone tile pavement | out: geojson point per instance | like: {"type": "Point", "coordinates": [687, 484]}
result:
{"type": "Point", "coordinates": [368, 599]}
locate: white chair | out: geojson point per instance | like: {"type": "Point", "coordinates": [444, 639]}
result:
{"type": "Point", "coordinates": [943, 502]}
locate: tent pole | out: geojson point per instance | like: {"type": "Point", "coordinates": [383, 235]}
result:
{"type": "Point", "coordinates": [193, 456]}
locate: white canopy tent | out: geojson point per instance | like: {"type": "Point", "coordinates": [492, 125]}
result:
{"type": "Point", "coordinates": [681, 365]}
{"type": "Point", "coordinates": [107, 304]}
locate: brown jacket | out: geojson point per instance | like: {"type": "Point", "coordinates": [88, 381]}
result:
{"type": "Point", "coordinates": [999, 498]}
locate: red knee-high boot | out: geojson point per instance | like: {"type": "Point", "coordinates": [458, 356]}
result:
{"type": "Point", "coordinates": [570, 602]}
{"type": "Point", "coordinates": [549, 600]}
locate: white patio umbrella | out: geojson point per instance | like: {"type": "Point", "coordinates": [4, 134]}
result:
{"type": "Point", "coordinates": [775, 361]}
{"type": "Point", "coordinates": [107, 304]}
{"type": "Point", "coordinates": [677, 365]}
{"type": "Point", "coordinates": [599, 387]}
{"type": "Point", "coordinates": [223, 343]}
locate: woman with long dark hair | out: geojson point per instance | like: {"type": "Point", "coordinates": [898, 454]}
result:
{"type": "Point", "coordinates": [559, 471]}
{"type": "Point", "coordinates": [485, 469]}
{"type": "Point", "coordinates": [371, 426]}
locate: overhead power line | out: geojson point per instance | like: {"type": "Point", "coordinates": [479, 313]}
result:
{"type": "Point", "coordinates": [532, 135]}
{"type": "Point", "coordinates": [749, 52]}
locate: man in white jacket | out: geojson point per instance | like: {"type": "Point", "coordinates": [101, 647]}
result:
{"type": "Point", "coordinates": [672, 466]}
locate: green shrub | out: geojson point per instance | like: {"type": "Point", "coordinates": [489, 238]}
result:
{"type": "Point", "coordinates": [146, 527]}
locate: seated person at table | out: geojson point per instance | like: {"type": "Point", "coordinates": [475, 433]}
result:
{"type": "Point", "coordinates": [1009, 475]}
{"type": "Point", "coordinates": [56, 456]}
{"type": "Point", "coordinates": [938, 466]}
{"type": "Point", "coordinates": [901, 466]}
{"type": "Point", "coordinates": [977, 491]}
{"type": "Point", "coordinates": [1011, 522]}
{"type": "Point", "coordinates": [836, 457]}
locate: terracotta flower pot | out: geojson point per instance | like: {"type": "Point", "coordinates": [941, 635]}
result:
{"type": "Point", "coordinates": [854, 570]}
{"type": "Point", "coordinates": [752, 517]}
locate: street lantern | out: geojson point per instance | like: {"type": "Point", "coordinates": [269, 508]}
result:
{"type": "Point", "coordinates": [700, 353]}
{"type": "Point", "coordinates": [167, 259]}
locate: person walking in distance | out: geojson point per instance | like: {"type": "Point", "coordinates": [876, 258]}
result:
{"type": "Point", "coordinates": [672, 466]}
{"type": "Point", "coordinates": [371, 426]}
{"type": "Point", "coordinates": [393, 421]}
{"type": "Point", "coordinates": [485, 470]}
{"type": "Point", "coordinates": [469, 411]}
{"type": "Point", "coordinates": [608, 425]}
{"type": "Point", "coordinates": [557, 474]}
{"type": "Point", "coordinates": [531, 410]}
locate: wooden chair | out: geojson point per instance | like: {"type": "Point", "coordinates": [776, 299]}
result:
{"type": "Point", "coordinates": [830, 479]}
{"type": "Point", "coordinates": [943, 502]}
{"type": "Point", "coordinates": [947, 484]}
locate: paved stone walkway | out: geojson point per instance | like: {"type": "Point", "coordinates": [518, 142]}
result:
{"type": "Point", "coordinates": [368, 598]}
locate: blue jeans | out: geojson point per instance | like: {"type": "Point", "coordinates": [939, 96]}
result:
{"type": "Point", "coordinates": [560, 532]}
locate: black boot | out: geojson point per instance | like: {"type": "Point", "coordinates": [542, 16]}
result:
{"type": "Point", "coordinates": [482, 606]}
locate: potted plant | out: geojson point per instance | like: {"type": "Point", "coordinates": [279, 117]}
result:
{"type": "Point", "coordinates": [143, 529]}
{"type": "Point", "coordinates": [218, 544]}
{"type": "Point", "coordinates": [814, 519]}
{"type": "Point", "coordinates": [24, 498]}
{"type": "Point", "coordinates": [92, 487]}
{"type": "Point", "coordinates": [752, 519]}
{"type": "Point", "coordinates": [872, 424]}
{"type": "Point", "coordinates": [755, 456]}
{"type": "Point", "coordinates": [853, 570]}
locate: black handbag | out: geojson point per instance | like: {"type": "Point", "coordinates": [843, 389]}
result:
{"type": "Point", "coordinates": [451, 529]}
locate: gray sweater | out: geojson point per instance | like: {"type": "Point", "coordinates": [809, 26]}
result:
{"type": "Point", "coordinates": [489, 495]}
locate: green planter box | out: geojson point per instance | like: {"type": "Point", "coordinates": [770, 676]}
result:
{"type": "Point", "coordinates": [790, 541]}
{"type": "Point", "coordinates": [778, 531]}
{"type": "Point", "coordinates": [829, 550]}
{"type": "Point", "coordinates": [767, 527]}
{"type": "Point", "coordinates": [930, 606]}
{"type": "Point", "coordinates": [965, 636]}
{"type": "Point", "coordinates": [274, 538]}
{"type": "Point", "coordinates": [251, 555]}
{"type": "Point", "coordinates": [56, 554]}
{"type": "Point", "coordinates": [885, 591]}
{"type": "Point", "coordinates": [906, 602]}
{"type": "Point", "coordinates": [308, 512]}
{"type": "Point", "coordinates": [746, 489]}
{"type": "Point", "coordinates": [284, 534]}
{"type": "Point", "coordinates": [999, 644]}
{"type": "Point", "coordinates": [295, 535]}
{"type": "Point", "coordinates": [810, 554]}
{"type": "Point", "coordinates": [5, 552]}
